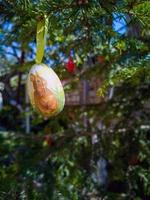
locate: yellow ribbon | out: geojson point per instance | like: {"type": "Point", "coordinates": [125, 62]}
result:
{"type": "Point", "coordinates": [42, 27]}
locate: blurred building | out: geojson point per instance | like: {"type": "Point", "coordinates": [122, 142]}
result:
{"type": "Point", "coordinates": [85, 93]}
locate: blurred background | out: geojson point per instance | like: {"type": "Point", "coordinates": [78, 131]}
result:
{"type": "Point", "coordinates": [98, 147]}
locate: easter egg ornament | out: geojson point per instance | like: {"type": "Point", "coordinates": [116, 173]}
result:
{"type": "Point", "coordinates": [44, 88]}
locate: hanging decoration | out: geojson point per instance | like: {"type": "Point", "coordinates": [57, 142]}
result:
{"type": "Point", "coordinates": [101, 59]}
{"type": "Point", "coordinates": [48, 141]}
{"type": "Point", "coordinates": [70, 65]}
{"type": "Point", "coordinates": [82, 2]}
{"type": "Point", "coordinates": [44, 88]}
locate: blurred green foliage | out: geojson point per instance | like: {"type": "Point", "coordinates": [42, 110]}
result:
{"type": "Point", "coordinates": [58, 159]}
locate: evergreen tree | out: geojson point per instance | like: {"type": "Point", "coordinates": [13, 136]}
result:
{"type": "Point", "coordinates": [59, 158]}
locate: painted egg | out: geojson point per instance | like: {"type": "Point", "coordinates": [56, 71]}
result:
{"type": "Point", "coordinates": [45, 90]}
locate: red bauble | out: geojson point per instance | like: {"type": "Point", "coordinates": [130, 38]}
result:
{"type": "Point", "coordinates": [48, 140]}
{"type": "Point", "coordinates": [101, 59]}
{"type": "Point", "coordinates": [82, 2]}
{"type": "Point", "coordinates": [133, 160]}
{"type": "Point", "coordinates": [70, 65]}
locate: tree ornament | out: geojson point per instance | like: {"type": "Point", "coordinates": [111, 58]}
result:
{"type": "Point", "coordinates": [45, 90]}
{"type": "Point", "coordinates": [71, 65]}
{"type": "Point", "coordinates": [101, 59]}
{"type": "Point", "coordinates": [82, 2]}
{"type": "Point", "coordinates": [133, 159]}
{"type": "Point", "coordinates": [48, 141]}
